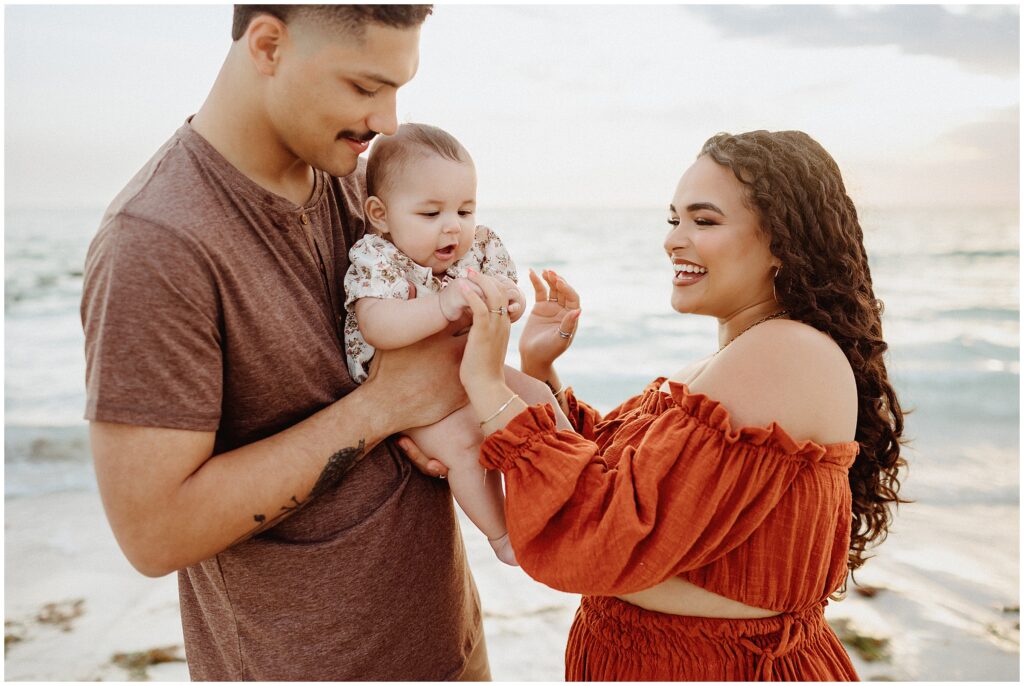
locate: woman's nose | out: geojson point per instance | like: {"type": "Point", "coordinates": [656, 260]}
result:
{"type": "Point", "coordinates": [677, 238]}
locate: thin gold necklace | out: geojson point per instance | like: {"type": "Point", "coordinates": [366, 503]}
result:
{"type": "Point", "coordinates": [777, 315]}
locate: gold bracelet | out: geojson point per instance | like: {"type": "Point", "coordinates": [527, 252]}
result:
{"type": "Point", "coordinates": [500, 409]}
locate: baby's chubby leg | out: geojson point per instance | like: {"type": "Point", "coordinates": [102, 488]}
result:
{"type": "Point", "coordinates": [477, 490]}
{"type": "Point", "coordinates": [455, 441]}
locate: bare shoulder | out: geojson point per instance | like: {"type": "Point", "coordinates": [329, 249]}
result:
{"type": "Point", "coordinates": [786, 372]}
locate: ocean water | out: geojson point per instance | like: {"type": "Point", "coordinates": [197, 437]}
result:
{"type": "Point", "coordinates": [949, 280]}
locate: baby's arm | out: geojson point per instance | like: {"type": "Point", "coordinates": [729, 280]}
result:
{"type": "Point", "coordinates": [391, 323]}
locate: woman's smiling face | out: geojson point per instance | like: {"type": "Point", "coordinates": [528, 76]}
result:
{"type": "Point", "coordinates": [720, 255]}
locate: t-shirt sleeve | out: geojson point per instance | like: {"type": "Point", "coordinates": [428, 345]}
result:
{"type": "Point", "coordinates": [374, 272]}
{"type": "Point", "coordinates": [495, 260]}
{"type": "Point", "coordinates": [684, 495]}
{"type": "Point", "coordinates": [150, 312]}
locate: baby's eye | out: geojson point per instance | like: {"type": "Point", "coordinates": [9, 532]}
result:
{"type": "Point", "coordinates": [465, 213]}
{"type": "Point", "coordinates": [429, 214]}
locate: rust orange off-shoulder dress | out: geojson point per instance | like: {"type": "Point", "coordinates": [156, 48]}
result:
{"type": "Point", "coordinates": [665, 486]}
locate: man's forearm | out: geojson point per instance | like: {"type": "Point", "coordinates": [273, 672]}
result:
{"type": "Point", "coordinates": [235, 495]}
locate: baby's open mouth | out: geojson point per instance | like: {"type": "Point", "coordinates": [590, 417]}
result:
{"type": "Point", "coordinates": [446, 252]}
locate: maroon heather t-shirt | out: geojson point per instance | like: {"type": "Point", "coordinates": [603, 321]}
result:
{"type": "Point", "coordinates": [211, 304]}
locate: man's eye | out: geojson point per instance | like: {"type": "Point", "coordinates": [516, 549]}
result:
{"type": "Point", "coordinates": [362, 91]}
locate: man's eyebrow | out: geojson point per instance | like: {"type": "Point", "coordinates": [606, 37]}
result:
{"type": "Point", "coordinates": [378, 78]}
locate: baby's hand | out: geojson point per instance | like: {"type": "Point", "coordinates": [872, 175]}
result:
{"type": "Point", "coordinates": [516, 299]}
{"type": "Point", "coordinates": [453, 303]}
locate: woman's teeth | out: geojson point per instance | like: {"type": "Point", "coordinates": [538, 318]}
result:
{"type": "Point", "coordinates": [690, 269]}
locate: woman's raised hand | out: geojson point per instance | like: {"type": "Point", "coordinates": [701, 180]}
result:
{"type": "Point", "coordinates": [551, 325]}
{"type": "Point", "coordinates": [483, 362]}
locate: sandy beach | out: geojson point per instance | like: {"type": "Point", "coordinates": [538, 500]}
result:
{"type": "Point", "coordinates": [73, 604]}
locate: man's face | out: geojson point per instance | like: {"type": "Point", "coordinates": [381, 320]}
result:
{"type": "Point", "coordinates": [332, 92]}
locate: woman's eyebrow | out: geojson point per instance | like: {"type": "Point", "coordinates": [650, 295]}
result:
{"type": "Point", "coordinates": [704, 206]}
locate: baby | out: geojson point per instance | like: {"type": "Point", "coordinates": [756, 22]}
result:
{"type": "Point", "coordinates": [421, 184]}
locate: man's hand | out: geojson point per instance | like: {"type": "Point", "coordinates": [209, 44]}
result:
{"type": "Point", "coordinates": [426, 465]}
{"type": "Point", "coordinates": [421, 381]}
{"type": "Point", "coordinates": [455, 436]}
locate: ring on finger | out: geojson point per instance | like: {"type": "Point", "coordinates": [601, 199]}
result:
{"type": "Point", "coordinates": [552, 300]}
{"type": "Point", "coordinates": [565, 334]}
{"type": "Point", "coordinates": [500, 311]}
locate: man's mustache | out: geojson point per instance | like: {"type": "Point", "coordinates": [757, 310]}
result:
{"type": "Point", "coordinates": [362, 137]}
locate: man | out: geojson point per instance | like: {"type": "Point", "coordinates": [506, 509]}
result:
{"type": "Point", "coordinates": [230, 443]}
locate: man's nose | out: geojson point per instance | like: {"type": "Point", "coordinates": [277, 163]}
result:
{"type": "Point", "coordinates": [384, 119]}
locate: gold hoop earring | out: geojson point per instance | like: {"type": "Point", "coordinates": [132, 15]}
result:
{"type": "Point", "coordinates": [774, 294]}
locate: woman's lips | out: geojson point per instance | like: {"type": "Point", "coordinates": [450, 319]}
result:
{"type": "Point", "coordinates": [686, 278]}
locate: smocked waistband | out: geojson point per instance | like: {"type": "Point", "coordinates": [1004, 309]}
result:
{"type": "Point", "coordinates": [633, 628]}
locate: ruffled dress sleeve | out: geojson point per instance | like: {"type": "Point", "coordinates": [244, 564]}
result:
{"type": "Point", "coordinates": [681, 490]}
{"type": "Point", "coordinates": [493, 256]}
{"type": "Point", "coordinates": [582, 416]}
{"type": "Point", "coordinates": [375, 271]}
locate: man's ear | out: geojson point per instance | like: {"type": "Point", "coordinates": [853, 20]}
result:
{"type": "Point", "coordinates": [263, 39]}
{"type": "Point", "coordinates": [376, 214]}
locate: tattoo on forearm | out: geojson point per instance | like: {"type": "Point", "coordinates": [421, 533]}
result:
{"type": "Point", "coordinates": [338, 465]}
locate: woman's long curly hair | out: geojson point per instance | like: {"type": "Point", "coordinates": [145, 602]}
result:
{"type": "Point", "coordinates": [796, 188]}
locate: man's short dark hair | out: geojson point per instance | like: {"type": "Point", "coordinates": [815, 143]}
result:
{"type": "Point", "coordinates": [349, 18]}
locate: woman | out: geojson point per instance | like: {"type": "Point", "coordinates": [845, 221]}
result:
{"type": "Point", "coordinates": [706, 546]}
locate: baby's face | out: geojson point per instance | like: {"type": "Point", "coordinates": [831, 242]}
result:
{"type": "Point", "coordinates": [430, 211]}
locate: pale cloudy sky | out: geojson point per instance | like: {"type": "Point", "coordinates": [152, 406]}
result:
{"type": "Point", "coordinates": [570, 105]}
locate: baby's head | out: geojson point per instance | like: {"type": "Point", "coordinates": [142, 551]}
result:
{"type": "Point", "coordinates": [422, 194]}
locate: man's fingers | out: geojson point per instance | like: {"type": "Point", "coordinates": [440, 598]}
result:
{"type": "Point", "coordinates": [426, 465]}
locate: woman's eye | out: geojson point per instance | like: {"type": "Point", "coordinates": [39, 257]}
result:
{"type": "Point", "coordinates": [701, 221]}
{"type": "Point", "coordinates": [673, 222]}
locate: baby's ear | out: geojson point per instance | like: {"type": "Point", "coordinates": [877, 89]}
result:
{"type": "Point", "coordinates": [376, 214]}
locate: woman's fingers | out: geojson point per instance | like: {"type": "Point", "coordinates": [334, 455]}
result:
{"type": "Point", "coordinates": [540, 291]}
{"type": "Point", "coordinates": [476, 304]}
{"type": "Point", "coordinates": [569, 322]}
{"type": "Point", "coordinates": [494, 296]}
{"type": "Point", "coordinates": [567, 294]}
